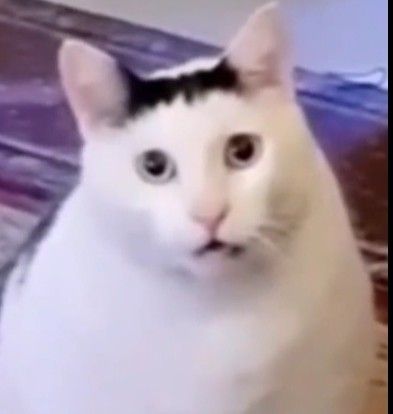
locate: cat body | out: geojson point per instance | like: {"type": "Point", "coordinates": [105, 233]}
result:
{"type": "Point", "coordinates": [204, 263]}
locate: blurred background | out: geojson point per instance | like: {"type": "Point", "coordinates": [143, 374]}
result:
{"type": "Point", "coordinates": [334, 35]}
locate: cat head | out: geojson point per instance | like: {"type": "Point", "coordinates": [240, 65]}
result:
{"type": "Point", "coordinates": [204, 164]}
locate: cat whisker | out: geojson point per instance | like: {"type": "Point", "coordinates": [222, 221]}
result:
{"type": "Point", "coordinates": [275, 229]}
{"type": "Point", "coordinates": [267, 242]}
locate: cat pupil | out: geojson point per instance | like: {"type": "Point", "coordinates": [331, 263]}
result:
{"type": "Point", "coordinates": [155, 167]}
{"type": "Point", "coordinates": [155, 163]}
{"type": "Point", "coordinates": [243, 148]}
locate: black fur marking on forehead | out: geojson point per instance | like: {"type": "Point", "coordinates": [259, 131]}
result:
{"type": "Point", "coordinates": [148, 93]}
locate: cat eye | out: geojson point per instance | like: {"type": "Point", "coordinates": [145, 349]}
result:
{"type": "Point", "coordinates": [242, 150]}
{"type": "Point", "coordinates": [155, 166]}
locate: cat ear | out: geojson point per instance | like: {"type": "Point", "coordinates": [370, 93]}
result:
{"type": "Point", "coordinates": [93, 84]}
{"type": "Point", "coordinates": [259, 51]}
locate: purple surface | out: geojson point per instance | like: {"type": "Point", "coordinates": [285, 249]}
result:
{"type": "Point", "coordinates": [39, 143]}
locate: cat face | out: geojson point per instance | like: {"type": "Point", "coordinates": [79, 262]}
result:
{"type": "Point", "coordinates": [201, 163]}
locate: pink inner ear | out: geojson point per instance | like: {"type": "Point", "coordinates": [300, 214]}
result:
{"type": "Point", "coordinates": [259, 51]}
{"type": "Point", "coordinates": [92, 83]}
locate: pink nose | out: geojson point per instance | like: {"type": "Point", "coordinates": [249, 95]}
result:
{"type": "Point", "coordinates": [211, 222]}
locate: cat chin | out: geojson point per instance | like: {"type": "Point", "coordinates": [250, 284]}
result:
{"type": "Point", "coordinates": [213, 265]}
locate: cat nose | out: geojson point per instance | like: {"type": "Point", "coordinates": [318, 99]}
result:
{"type": "Point", "coordinates": [211, 221]}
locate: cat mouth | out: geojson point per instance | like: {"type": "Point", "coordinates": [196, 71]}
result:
{"type": "Point", "coordinates": [217, 246]}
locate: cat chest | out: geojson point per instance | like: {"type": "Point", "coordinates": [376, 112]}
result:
{"type": "Point", "coordinates": [177, 370]}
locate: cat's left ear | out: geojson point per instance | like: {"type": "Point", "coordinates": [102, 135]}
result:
{"type": "Point", "coordinates": [260, 53]}
{"type": "Point", "coordinates": [93, 83]}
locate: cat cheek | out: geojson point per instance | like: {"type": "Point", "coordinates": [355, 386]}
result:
{"type": "Point", "coordinates": [238, 227]}
{"type": "Point", "coordinates": [231, 231]}
{"type": "Point", "coordinates": [177, 233]}
{"type": "Point", "coordinates": [191, 236]}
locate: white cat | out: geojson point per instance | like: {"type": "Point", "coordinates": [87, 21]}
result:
{"type": "Point", "coordinates": [204, 264]}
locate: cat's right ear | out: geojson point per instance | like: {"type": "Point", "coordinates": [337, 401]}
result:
{"type": "Point", "coordinates": [93, 84]}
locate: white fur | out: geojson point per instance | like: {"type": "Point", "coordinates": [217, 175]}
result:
{"type": "Point", "coordinates": [118, 316]}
